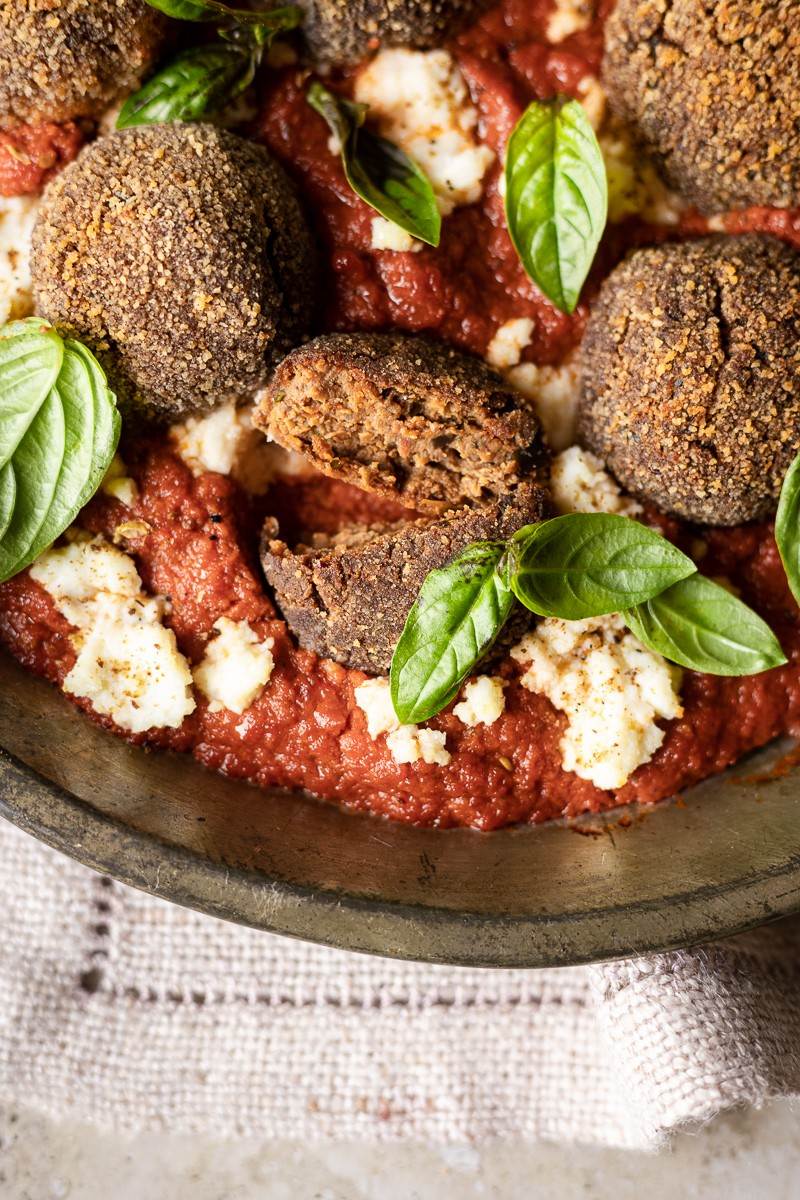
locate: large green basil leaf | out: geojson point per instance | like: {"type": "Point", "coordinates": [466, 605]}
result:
{"type": "Point", "coordinates": [379, 172]}
{"type": "Point", "coordinates": [459, 612]}
{"type": "Point", "coordinates": [787, 527]}
{"type": "Point", "coordinates": [31, 353]}
{"type": "Point", "coordinates": [61, 455]}
{"type": "Point", "coordinates": [702, 626]}
{"type": "Point", "coordinates": [587, 564]}
{"type": "Point", "coordinates": [195, 85]}
{"type": "Point", "coordinates": [556, 197]}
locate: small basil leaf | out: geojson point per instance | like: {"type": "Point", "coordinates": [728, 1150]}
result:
{"type": "Point", "coordinates": [59, 460]}
{"type": "Point", "coordinates": [586, 564]}
{"type": "Point", "coordinates": [275, 19]}
{"type": "Point", "coordinates": [31, 353]}
{"type": "Point", "coordinates": [379, 172]}
{"type": "Point", "coordinates": [556, 197]}
{"type": "Point", "coordinates": [787, 527]}
{"type": "Point", "coordinates": [700, 625]}
{"type": "Point", "coordinates": [459, 612]}
{"type": "Point", "coordinates": [184, 10]}
{"type": "Point", "coordinates": [196, 84]}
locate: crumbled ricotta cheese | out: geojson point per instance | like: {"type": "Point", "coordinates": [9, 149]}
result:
{"type": "Point", "coordinates": [505, 348]}
{"type": "Point", "coordinates": [611, 688]}
{"type": "Point", "coordinates": [117, 483]}
{"type": "Point", "coordinates": [634, 186]}
{"type": "Point", "coordinates": [409, 744]}
{"type": "Point", "coordinates": [128, 663]}
{"type": "Point", "coordinates": [375, 701]}
{"type": "Point", "coordinates": [17, 218]}
{"type": "Point", "coordinates": [235, 668]}
{"type": "Point", "coordinates": [406, 743]}
{"type": "Point", "coordinates": [420, 102]}
{"type": "Point", "coordinates": [483, 701]}
{"type": "Point", "coordinates": [555, 392]}
{"type": "Point", "coordinates": [386, 235]}
{"type": "Point", "coordinates": [225, 440]}
{"type": "Point", "coordinates": [594, 100]}
{"type": "Point", "coordinates": [580, 483]}
{"type": "Point", "coordinates": [568, 17]}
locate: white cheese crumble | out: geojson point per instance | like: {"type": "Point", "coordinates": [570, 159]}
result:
{"type": "Point", "coordinates": [420, 102]}
{"type": "Point", "coordinates": [117, 483]}
{"type": "Point", "coordinates": [612, 689]}
{"type": "Point", "coordinates": [235, 668]}
{"type": "Point", "coordinates": [225, 440]}
{"type": "Point", "coordinates": [386, 235]}
{"type": "Point", "coordinates": [128, 663]}
{"type": "Point", "coordinates": [505, 348]}
{"type": "Point", "coordinates": [484, 701]}
{"type": "Point", "coordinates": [568, 17]}
{"type": "Point", "coordinates": [17, 218]}
{"type": "Point", "coordinates": [555, 392]}
{"type": "Point", "coordinates": [594, 100]}
{"type": "Point", "coordinates": [580, 483]}
{"type": "Point", "coordinates": [409, 744]}
{"type": "Point", "coordinates": [634, 186]}
{"type": "Point", "coordinates": [406, 743]}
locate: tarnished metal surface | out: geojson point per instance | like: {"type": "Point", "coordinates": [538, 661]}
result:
{"type": "Point", "coordinates": [725, 857]}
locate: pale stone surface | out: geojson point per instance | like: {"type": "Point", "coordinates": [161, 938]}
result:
{"type": "Point", "coordinates": [738, 1157]}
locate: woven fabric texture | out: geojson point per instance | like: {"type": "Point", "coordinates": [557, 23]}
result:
{"type": "Point", "coordinates": [128, 1011]}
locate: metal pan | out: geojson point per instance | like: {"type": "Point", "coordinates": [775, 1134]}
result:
{"type": "Point", "coordinates": [724, 857]}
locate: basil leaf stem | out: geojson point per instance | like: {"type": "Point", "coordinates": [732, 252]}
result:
{"type": "Point", "coordinates": [556, 197]}
{"type": "Point", "coordinates": [586, 564]}
{"type": "Point", "coordinates": [57, 441]}
{"type": "Point", "coordinates": [702, 626]}
{"type": "Point", "coordinates": [197, 83]}
{"type": "Point", "coordinates": [379, 172]}
{"type": "Point", "coordinates": [787, 527]}
{"type": "Point", "coordinates": [459, 612]}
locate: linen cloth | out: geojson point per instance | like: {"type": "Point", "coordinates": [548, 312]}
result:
{"type": "Point", "coordinates": [125, 1010]}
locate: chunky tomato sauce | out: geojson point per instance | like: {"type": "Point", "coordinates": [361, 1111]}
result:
{"type": "Point", "coordinates": [305, 730]}
{"type": "Point", "coordinates": [31, 154]}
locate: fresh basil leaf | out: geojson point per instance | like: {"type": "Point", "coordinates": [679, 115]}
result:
{"type": "Point", "coordinates": [586, 564]}
{"type": "Point", "coordinates": [702, 626]}
{"type": "Point", "coordinates": [276, 20]}
{"type": "Point", "coordinates": [379, 172]}
{"type": "Point", "coordinates": [197, 83]}
{"type": "Point", "coordinates": [60, 457]}
{"type": "Point", "coordinates": [787, 527]}
{"type": "Point", "coordinates": [459, 612]}
{"type": "Point", "coordinates": [184, 10]}
{"type": "Point", "coordinates": [31, 353]}
{"type": "Point", "coordinates": [556, 197]}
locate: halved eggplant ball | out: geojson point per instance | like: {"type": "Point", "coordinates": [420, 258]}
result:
{"type": "Point", "coordinates": [691, 376]}
{"type": "Point", "coordinates": [347, 597]}
{"type": "Point", "coordinates": [62, 59]}
{"type": "Point", "coordinates": [179, 254]}
{"type": "Point", "coordinates": [405, 417]}
{"type": "Point", "coordinates": [711, 90]}
{"type": "Point", "coordinates": [339, 32]}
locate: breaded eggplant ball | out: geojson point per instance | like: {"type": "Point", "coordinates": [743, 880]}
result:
{"type": "Point", "coordinates": [179, 254]}
{"type": "Point", "coordinates": [61, 59]}
{"type": "Point", "coordinates": [339, 32]}
{"type": "Point", "coordinates": [405, 417]}
{"type": "Point", "coordinates": [711, 89]}
{"type": "Point", "coordinates": [691, 376]}
{"type": "Point", "coordinates": [348, 596]}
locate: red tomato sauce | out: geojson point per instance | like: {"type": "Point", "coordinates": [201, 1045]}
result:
{"type": "Point", "coordinates": [305, 730]}
{"type": "Point", "coordinates": [31, 154]}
